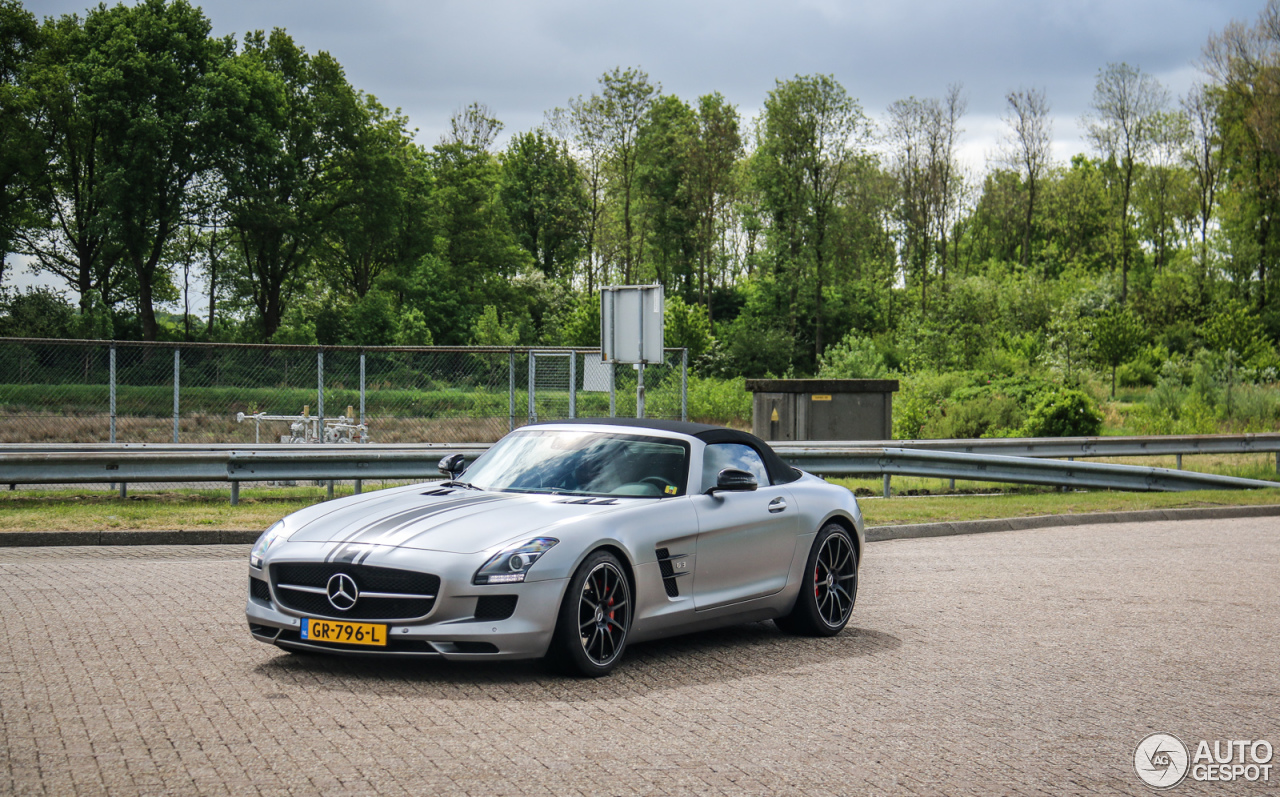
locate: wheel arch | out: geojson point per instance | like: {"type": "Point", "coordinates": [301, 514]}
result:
{"type": "Point", "coordinates": [847, 524]}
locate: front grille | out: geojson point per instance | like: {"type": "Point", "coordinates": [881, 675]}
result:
{"type": "Point", "coordinates": [367, 578]}
{"type": "Point", "coordinates": [496, 607]}
{"type": "Point", "coordinates": [259, 589]}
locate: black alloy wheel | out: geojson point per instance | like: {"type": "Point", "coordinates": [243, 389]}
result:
{"type": "Point", "coordinates": [595, 616]}
{"type": "Point", "coordinates": [830, 586]}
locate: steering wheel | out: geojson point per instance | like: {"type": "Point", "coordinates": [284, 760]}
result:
{"type": "Point", "coordinates": [660, 483]}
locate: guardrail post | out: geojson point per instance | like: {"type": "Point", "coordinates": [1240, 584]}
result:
{"type": "Point", "coordinates": [329, 491]}
{"type": "Point", "coordinates": [111, 371]}
{"type": "Point", "coordinates": [124, 490]}
{"type": "Point", "coordinates": [359, 486]}
{"type": "Point", "coordinates": [684, 384]}
{"type": "Point", "coordinates": [235, 493]}
{"type": "Point", "coordinates": [573, 384]}
{"type": "Point", "coordinates": [886, 485]}
{"type": "Point", "coordinates": [1278, 462]}
{"type": "Point", "coordinates": [1179, 462]}
{"type": "Point", "coordinates": [511, 391]}
{"type": "Point", "coordinates": [177, 356]}
{"type": "Point", "coordinates": [320, 395]}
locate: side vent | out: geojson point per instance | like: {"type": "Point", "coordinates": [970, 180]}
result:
{"type": "Point", "coordinates": [668, 569]}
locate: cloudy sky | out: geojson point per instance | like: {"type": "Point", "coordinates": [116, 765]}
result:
{"type": "Point", "coordinates": [431, 57]}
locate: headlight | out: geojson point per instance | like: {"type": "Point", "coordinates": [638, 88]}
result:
{"type": "Point", "coordinates": [269, 537]}
{"type": "Point", "coordinates": [510, 566]}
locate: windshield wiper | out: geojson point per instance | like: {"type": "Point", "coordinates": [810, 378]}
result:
{"type": "Point", "coordinates": [467, 485]}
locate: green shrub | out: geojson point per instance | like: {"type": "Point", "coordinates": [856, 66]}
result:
{"type": "Point", "coordinates": [855, 357]}
{"type": "Point", "coordinates": [1136, 374]}
{"type": "Point", "coordinates": [1064, 413]}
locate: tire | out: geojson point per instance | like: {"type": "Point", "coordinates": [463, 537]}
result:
{"type": "Point", "coordinates": [594, 619]}
{"type": "Point", "coordinates": [829, 588]}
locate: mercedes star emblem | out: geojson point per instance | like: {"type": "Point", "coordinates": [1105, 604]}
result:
{"type": "Point", "coordinates": [342, 591]}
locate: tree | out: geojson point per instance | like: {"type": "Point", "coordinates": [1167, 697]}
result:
{"type": "Point", "coordinates": [924, 134]}
{"type": "Point", "coordinates": [473, 257]}
{"type": "Point", "coordinates": [1165, 187]}
{"type": "Point", "coordinates": [714, 153]}
{"type": "Point", "coordinates": [474, 126]}
{"type": "Point", "coordinates": [1026, 149]}
{"type": "Point", "coordinates": [664, 174]}
{"type": "Point", "coordinates": [292, 123]}
{"type": "Point", "coordinates": [155, 71]}
{"type": "Point", "coordinates": [546, 201]}
{"type": "Point", "coordinates": [70, 234]}
{"type": "Point", "coordinates": [626, 95]}
{"type": "Point", "coordinates": [20, 156]}
{"type": "Point", "coordinates": [1125, 103]}
{"type": "Point", "coordinates": [380, 223]}
{"type": "Point", "coordinates": [1204, 155]}
{"type": "Point", "coordinates": [1117, 334]}
{"type": "Point", "coordinates": [583, 123]}
{"type": "Point", "coordinates": [810, 133]}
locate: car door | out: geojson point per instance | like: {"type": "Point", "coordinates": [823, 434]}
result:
{"type": "Point", "coordinates": [745, 539]}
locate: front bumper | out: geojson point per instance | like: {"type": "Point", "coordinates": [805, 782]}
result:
{"type": "Point", "coordinates": [451, 630]}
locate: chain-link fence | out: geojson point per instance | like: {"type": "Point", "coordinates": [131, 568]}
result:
{"type": "Point", "coordinates": [57, 391]}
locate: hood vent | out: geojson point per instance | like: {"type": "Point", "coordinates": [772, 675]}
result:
{"type": "Point", "coordinates": [440, 491]}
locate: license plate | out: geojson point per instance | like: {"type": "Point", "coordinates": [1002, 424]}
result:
{"type": "Point", "coordinates": [344, 633]}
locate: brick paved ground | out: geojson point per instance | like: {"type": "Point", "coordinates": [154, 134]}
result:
{"type": "Point", "coordinates": [1022, 662]}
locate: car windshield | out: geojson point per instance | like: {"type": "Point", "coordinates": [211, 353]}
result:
{"type": "Point", "coordinates": [583, 463]}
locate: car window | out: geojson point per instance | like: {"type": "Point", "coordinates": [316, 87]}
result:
{"type": "Point", "coordinates": [584, 463]}
{"type": "Point", "coordinates": [718, 456]}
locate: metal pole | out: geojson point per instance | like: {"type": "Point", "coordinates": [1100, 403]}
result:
{"type": "Point", "coordinates": [330, 490]}
{"type": "Point", "coordinates": [684, 384]}
{"type": "Point", "coordinates": [124, 490]}
{"type": "Point", "coordinates": [359, 486]}
{"type": "Point", "coordinates": [366, 434]}
{"type": "Point", "coordinates": [613, 391]}
{"type": "Point", "coordinates": [235, 493]}
{"type": "Point", "coordinates": [886, 485]}
{"type": "Point", "coordinates": [640, 391]}
{"type": "Point", "coordinates": [111, 370]}
{"type": "Point", "coordinates": [511, 391]}
{"type": "Point", "coordinates": [533, 373]}
{"type": "Point", "coordinates": [1278, 462]}
{"type": "Point", "coordinates": [320, 395]}
{"type": "Point", "coordinates": [1179, 462]}
{"type": "Point", "coordinates": [573, 384]}
{"type": "Point", "coordinates": [177, 353]}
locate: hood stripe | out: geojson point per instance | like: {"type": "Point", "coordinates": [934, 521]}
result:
{"type": "Point", "coordinates": [356, 541]}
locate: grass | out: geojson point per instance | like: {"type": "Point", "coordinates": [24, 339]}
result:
{"type": "Point", "coordinates": [938, 509]}
{"type": "Point", "coordinates": [85, 510]}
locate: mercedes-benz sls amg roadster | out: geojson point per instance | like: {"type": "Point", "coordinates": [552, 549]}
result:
{"type": "Point", "coordinates": [565, 540]}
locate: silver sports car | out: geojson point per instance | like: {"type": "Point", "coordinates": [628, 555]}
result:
{"type": "Point", "coordinates": [565, 540]}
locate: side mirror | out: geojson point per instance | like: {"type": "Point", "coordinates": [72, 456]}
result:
{"type": "Point", "coordinates": [732, 480]}
{"type": "Point", "coordinates": [453, 465]}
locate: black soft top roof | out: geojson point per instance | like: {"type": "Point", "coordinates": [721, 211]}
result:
{"type": "Point", "coordinates": [779, 471]}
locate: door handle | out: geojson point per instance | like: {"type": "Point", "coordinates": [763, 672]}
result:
{"type": "Point", "coordinates": [777, 505]}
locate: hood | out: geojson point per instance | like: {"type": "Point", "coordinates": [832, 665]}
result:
{"type": "Point", "coordinates": [427, 518]}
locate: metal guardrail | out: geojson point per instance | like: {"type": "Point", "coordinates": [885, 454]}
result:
{"type": "Point", "coordinates": [125, 463]}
